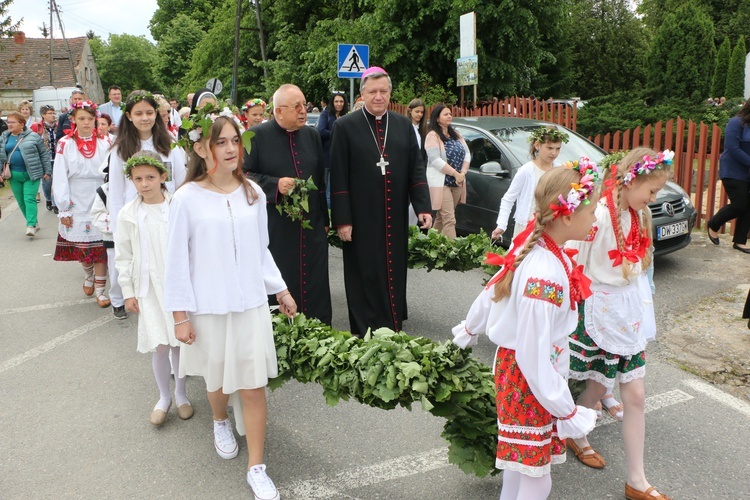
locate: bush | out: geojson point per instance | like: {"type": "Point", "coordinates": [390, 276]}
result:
{"type": "Point", "coordinates": [627, 110]}
{"type": "Point", "coordinates": [736, 71]}
{"type": "Point", "coordinates": [719, 81]}
{"type": "Point", "coordinates": [423, 88]}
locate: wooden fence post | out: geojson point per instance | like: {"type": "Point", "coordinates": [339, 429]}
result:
{"type": "Point", "coordinates": [607, 146]}
{"type": "Point", "coordinates": [626, 143]}
{"type": "Point", "coordinates": [636, 137]}
{"type": "Point", "coordinates": [616, 142]}
{"type": "Point", "coordinates": [657, 136]}
{"type": "Point", "coordinates": [679, 147]}
{"type": "Point", "coordinates": [668, 136]}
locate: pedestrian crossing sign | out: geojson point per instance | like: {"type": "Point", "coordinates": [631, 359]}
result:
{"type": "Point", "coordinates": [353, 60]}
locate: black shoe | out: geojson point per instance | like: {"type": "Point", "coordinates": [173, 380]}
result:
{"type": "Point", "coordinates": [743, 250]}
{"type": "Point", "coordinates": [714, 240]}
{"type": "Point", "coordinates": [49, 205]}
{"type": "Point", "coordinates": [56, 210]}
{"type": "Point", "coordinates": [120, 312]}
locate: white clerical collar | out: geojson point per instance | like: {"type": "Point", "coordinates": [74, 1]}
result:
{"type": "Point", "coordinates": [373, 114]}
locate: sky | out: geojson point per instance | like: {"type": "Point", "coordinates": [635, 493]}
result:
{"type": "Point", "coordinates": [79, 16]}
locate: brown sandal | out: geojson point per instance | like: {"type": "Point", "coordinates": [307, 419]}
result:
{"type": "Point", "coordinates": [593, 460]}
{"type": "Point", "coordinates": [613, 410]}
{"type": "Point", "coordinates": [633, 494]}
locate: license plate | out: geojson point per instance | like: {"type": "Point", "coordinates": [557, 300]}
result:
{"type": "Point", "coordinates": [672, 230]}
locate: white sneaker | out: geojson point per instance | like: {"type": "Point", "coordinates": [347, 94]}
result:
{"type": "Point", "coordinates": [263, 487]}
{"type": "Point", "coordinates": [224, 441]}
{"type": "Point", "coordinates": [30, 231]}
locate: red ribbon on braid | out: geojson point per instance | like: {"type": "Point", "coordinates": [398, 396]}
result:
{"type": "Point", "coordinates": [580, 284]}
{"type": "Point", "coordinates": [610, 183]}
{"type": "Point", "coordinates": [510, 258]}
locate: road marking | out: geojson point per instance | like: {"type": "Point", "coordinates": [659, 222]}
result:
{"type": "Point", "coordinates": [719, 395]}
{"type": "Point", "coordinates": [56, 342]}
{"type": "Point", "coordinates": [329, 486]}
{"type": "Point", "coordinates": [656, 402]}
{"type": "Point", "coordinates": [326, 487]}
{"type": "Point", "coordinates": [42, 307]}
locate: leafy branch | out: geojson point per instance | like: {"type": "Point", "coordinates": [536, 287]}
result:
{"type": "Point", "coordinates": [296, 203]}
{"type": "Point", "coordinates": [436, 251]}
{"type": "Point", "coordinates": [387, 369]}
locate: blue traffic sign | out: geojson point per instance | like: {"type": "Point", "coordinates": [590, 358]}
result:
{"type": "Point", "coordinates": [353, 60]}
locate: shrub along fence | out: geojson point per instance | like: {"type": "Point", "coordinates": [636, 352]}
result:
{"type": "Point", "coordinates": [518, 107]}
{"type": "Point", "coordinates": [697, 147]}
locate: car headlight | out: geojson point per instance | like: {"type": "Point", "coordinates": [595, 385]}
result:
{"type": "Point", "coordinates": [685, 197]}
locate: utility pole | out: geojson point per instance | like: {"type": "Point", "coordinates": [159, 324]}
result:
{"type": "Point", "coordinates": [51, 45]}
{"type": "Point", "coordinates": [62, 31]}
{"type": "Point", "coordinates": [236, 51]}
{"type": "Point", "coordinates": [261, 37]}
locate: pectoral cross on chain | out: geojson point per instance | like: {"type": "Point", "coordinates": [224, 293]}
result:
{"type": "Point", "coordinates": [382, 164]}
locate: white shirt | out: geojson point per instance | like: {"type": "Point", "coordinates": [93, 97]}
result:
{"type": "Point", "coordinates": [121, 190]}
{"type": "Point", "coordinates": [534, 321]}
{"type": "Point", "coordinates": [520, 192]}
{"type": "Point", "coordinates": [74, 182]}
{"type": "Point", "coordinates": [217, 252]}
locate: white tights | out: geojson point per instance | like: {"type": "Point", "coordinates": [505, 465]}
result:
{"type": "Point", "coordinates": [519, 486]}
{"type": "Point", "coordinates": [162, 371]}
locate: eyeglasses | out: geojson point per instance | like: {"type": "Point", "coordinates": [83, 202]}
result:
{"type": "Point", "coordinates": [297, 107]}
{"type": "Point", "coordinates": [47, 107]}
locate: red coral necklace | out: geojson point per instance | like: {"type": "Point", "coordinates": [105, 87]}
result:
{"type": "Point", "coordinates": [86, 145]}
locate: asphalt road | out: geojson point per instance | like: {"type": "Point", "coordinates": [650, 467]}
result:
{"type": "Point", "coordinates": [75, 397]}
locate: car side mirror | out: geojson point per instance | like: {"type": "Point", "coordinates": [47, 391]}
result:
{"type": "Point", "coordinates": [493, 168]}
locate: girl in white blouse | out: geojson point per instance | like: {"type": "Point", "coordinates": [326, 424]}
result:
{"type": "Point", "coordinates": [618, 319]}
{"type": "Point", "coordinates": [528, 309]}
{"type": "Point", "coordinates": [218, 275]}
{"type": "Point", "coordinates": [546, 143]}
{"type": "Point", "coordinates": [140, 250]}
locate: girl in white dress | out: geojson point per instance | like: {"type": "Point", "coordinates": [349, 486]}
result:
{"type": "Point", "coordinates": [219, 274]}
{"type": "Point", "coordinates": [140, 129]}
{"type": "Point", "coordinates": [76, 176]}
{"type": "Point", "coordinates": [618, 319]}
{"type": "Point", "coordinates": [140, 250]}
{"type": "Point", "coordinates": [528, 309]}
{"type": "Point", "coordinates": [546, 143]}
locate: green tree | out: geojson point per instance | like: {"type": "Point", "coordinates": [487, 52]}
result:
{"type": "Point", "coordinates": [739, 24]}
{"type": "Point", "coordinates": [681, 58]}
{"type": "Point", "coordinates": [723, 13]}
{"type": "Point", "coordinates": [175, 49]}
{"type": "Point", "coordinates": [736, 72]}
{"type": "Point", "coordinates": [7, 26]}
{"type": "Point", "coordinates": [719, 80]}
{"type": "Point", "coordinates": [127, 61]}
{"type": "Point", "coordinates": [200, 11]}
{"type": "Point", "coordinates": [610, 45]}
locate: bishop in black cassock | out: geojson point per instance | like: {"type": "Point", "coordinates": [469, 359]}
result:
{"type": "Point", "coordinates": [300, 254]}
{"type": "Point", "coordinates": [374, 175]}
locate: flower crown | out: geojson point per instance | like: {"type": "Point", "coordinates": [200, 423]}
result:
{"type": "Point", "coordinates": [548, 134]}
{"type": "Point", "coordinates": [198, 124]}
{"type": "Point", "coordinates": [134, 97]}
{"type": "Point", "coordinates": [84, 105]}
{"type": "Point", "coordinates": [137, 161]}
{"type": "Point", "coordinates": [252, 103]}
{"type": "Point", "coordinates": [580, 191]}
{"type": "Point", "coordinates": [646, 165]}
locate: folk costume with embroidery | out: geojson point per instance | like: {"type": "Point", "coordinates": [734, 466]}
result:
{"type": "Point", "coordinates": [618, 319]}
{"type": "Point", "coordinates": [76, 175]}
{"type": "Point", "coordinates": [536, 411]}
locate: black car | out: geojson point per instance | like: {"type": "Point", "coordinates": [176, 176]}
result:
{"type": "Point", "coordinates": [499, 146]}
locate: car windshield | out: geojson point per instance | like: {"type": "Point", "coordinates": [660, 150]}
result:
{"type": "Point", "coordinates": [516, 140]}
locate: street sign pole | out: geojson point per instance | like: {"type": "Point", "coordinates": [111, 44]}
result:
{"type": "Point", "coordinates": [353, 60]}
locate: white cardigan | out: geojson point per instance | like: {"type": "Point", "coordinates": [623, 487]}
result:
{"type": "Point", "coordinates": [128, 255]}
{"type": "Point", "coordinates": [218, 259]}
{"type": "Point", "coordinates": [520, 192]}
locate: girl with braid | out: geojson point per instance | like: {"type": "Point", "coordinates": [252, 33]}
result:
{"type": "Point", "coordinates": [617, 320]}
{"type": "Point", "coordinates": [528, 309]}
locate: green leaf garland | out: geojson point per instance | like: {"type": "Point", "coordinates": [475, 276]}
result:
{"type": "Point", "coordinates": [387, 369]}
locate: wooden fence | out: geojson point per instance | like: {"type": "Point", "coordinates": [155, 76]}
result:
{"type": "Point", "coordinates": [697, 147]}
{"type": "Point", "coordinates": [518, 107]}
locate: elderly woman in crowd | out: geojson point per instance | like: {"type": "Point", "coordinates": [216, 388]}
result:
{"type": "Point", "coordinates": [29, 162]}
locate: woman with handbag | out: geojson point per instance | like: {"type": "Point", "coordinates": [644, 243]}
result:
{"type": "Point", "coordinates": [25, 161]}
{"type": "Point", "coordinates": [448, 160]}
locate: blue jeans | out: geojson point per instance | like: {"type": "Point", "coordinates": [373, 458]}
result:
{"type": "Point", "coordinates": [47, 188]}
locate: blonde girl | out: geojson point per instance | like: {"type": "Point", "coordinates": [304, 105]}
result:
{"type": "Point", "coordinates": [544, 148]}
{"type": "Point", "coordinates": [217, 281]}
{"type": "Point", "coordinates": [528, 309]}
{"type": "Point", "coordinates": [140, 251]}
{"type": "Point", "coordinates": [617, 320]}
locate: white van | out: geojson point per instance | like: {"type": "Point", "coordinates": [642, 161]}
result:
{"type": "Point", "coordinates": [58, 97]}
